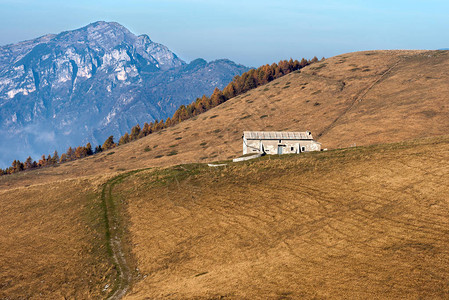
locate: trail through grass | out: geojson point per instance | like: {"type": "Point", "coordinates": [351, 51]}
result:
{"type": "Point", "coordinates": [114, 234]}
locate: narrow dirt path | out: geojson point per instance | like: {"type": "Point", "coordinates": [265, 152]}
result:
{"type": "Point", "coordinates": [114, 231]}
{"type": "Point", "coordinates": [359, 98]}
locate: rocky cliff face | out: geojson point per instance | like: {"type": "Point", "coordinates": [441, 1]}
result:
{"type": "Point", "coordinates": [81, 86]}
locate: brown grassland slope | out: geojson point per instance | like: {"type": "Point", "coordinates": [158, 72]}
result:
{"type": "Point", "coordinates": [358, 98]}
{"type": "Point", "coordinates": [52, 242]}
{"type": "Point", "coordinates": [338, 223]}
{"type": "Point", "coordinates": [356, 223]}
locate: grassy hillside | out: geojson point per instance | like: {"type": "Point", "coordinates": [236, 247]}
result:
{"type": "Point", "coordinates": [52, 242]}
{"type": "Point", "coordinates": [355, 222]}
{"type": "Point", "coordinates": [358, 98]}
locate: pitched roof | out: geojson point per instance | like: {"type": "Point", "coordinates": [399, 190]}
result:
{"type": "Point", "coordinates": [277, 135]}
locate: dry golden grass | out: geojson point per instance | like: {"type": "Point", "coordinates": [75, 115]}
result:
{"type": "Point", "coordinates": [52, 242]}
{"type": "Point", "coordinates": [377, 97]}
{"type": "Point", "coordinates": [360, 98]}
{"type": "Point", "coordinates": [355, 223]}
{"type": "Point", "coordinates": [410, 101]}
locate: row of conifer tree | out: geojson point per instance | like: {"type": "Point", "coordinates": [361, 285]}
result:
{"type": "Point", "coordinates": [239, 85]}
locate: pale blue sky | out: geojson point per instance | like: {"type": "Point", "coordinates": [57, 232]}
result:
{"type": "Point", "coordinates": [251, 32]}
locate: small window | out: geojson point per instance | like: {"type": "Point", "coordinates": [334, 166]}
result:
{"type": "Point", "coordinates": [280, 141]}
{"type": "Point", "coordinates": [292, 148]}
{"type": "Point", "coordinates": [303, 149]}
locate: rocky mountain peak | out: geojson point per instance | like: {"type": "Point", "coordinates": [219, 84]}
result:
{"type": "Point", "coordinates": [106, 35]}
{"type": "Point", "coordinates": [144, 38]}
{"type": "Point", "coordinates": [83, 84]}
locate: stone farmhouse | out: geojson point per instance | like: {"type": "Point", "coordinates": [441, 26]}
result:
{"type": "Point", "coordinates": [271, 142]}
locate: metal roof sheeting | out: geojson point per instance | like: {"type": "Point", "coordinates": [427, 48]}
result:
{"type": "Point", "coordinates": [277, 135]}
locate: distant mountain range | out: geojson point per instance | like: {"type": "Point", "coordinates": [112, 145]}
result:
{"type": "Point", "coordinates": [83, 85]}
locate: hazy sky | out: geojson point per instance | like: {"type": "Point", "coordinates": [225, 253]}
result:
{"type": "Point", "coordinates": [251, 32]}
